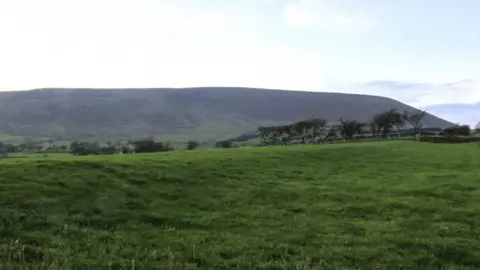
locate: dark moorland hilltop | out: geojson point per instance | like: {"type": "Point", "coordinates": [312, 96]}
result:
{"type": "Point", "coordinates": [176, 114]}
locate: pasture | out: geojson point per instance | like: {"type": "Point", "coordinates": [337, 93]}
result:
{"type": "Point", "coordinates": [386, 205]}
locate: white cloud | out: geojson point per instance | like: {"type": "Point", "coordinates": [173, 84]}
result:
{"type": "Point", "coordinates": [121, 43]}
{"type": "Point", "coordinates": [322, 15]}
{"type": "Point", "coordinates": [134, 43]}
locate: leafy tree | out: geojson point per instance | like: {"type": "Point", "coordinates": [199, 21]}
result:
{"type": "Point", "coordinates": [224, 144]}
{"type": "Point", "coordinates": [29, 144]}
{"type": "Point", "coordinates": [264, 133]}
{"type": "Point", "coordinates": [285, 133]}
{"type": "Point", "coordinates": [11, 148]}
{"type": "Point", "coordinates": [414, 119]}
{"type": "Point", "coordinates": [387, 121]}
{"type": "Point", "coordinates": [150, 146]}
{"type": "Point", "coordinates": [313, 128]}
{"type": "Point", "coordinates": [332, 132]}
{"type": "Point", "coordinates": [110, 149]}
{"type": "Point", "coordinates": [318, 128]}
{"type": "Point", "coordinates": [374, 127]}
{"type": "Point", "coordinates": [192, 145]}
{"type": "Point", "coordinates": [3, 153]}
{"type": "Point", "coordinates": [129, 148]}
{"type": "Point", "coordinates": [302, 129]}
{"type": "Point", "coordinates": [3, 150]}
{"type": "Point", "coordinates": [269, 135]}
{"type": "Point", "coordinates": [79, 149]}
{"type": "Point", "coordinates": [349, 128]}
{"type": "Point", "coordinates": [477, 127]}
{"type": "Point", "coordinates": [457, 130]}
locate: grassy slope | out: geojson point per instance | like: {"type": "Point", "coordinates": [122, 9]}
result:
{"type": "Point", "coordinates": [385, 205]}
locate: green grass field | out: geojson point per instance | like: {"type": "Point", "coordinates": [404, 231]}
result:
{"type": "Point", "coordinates": [385, 205]}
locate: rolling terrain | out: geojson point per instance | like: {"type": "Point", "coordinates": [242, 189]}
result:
{"type": "Point", "coordinates": [176, 114]}
{"type": "Point", "coordinates": [383, 205]}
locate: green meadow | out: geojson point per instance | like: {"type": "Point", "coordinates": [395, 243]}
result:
{"type": "Point", "coordinates": [378, 205]}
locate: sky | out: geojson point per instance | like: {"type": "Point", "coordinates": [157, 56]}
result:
{"type": "Point", "coordinates": [425, 53]}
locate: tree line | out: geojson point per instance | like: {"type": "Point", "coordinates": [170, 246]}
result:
{"type": "Point", "coordinates": [317, 130]}
{"type": "Point", "coordinates": [148, 145]}
{"type": "Point", "coordinates": [314, 130]}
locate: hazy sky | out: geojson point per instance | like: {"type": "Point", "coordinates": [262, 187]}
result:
{"type": "Point", "coordinates": [289, 44]}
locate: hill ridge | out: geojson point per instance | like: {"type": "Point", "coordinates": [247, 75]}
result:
{"type": "Point", "coordinates": [177, 114]}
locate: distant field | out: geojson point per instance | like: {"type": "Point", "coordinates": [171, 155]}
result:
{"type": "Point", "coordinates": [389, 205]}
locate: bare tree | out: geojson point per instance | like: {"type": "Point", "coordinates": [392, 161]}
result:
{"type": "Point", "coordinates": [415, 120]}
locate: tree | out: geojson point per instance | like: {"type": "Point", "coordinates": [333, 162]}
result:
{"type": "Point", "coordinates": [414, 119]}
{"type": "Point", "coordinates": [477, 127]}
{"type": "Point", "coordinates": [128, 148]}
{"type": "Point", "coordinates": [374, 127]}
{"type": "Point", "coordinates": [266, 134]}
{"type": "Point", "coordinates": [3, 150]}
{"type": "Point", "coordinates": [457, 130]}
{"type": "Point", "coordinates": [192, 145]}
{"type": "Point", "coordinates": [11, 148]}
{"type": "Point", "coordinates": [270, 135]}
{"type": "Point", "coordinates": [318, 128]}
{"type": "Point", "coordinates": [78, 149]}
{"type": "Point", "coordinates": [284, 132]}
{"type": "Point", "coordinates": [29, 144]}
{"type": "Point", "coordinates": [3, 153]}
{"type": "Point", "coordinates": [224, 144]}
{"type": "Point", "coordinates": [387, 121]}
{"type": "Point", "coordinates": [332, 132]}
{"type": "Point", "coordinates": [148, 145]}
{"type": "Point", "coordinates": [350, 128]}
{"type": "Point", "coordinates": [302, 129]}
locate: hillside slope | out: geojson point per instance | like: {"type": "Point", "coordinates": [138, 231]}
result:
{"type": "Point", "coordinates": [306, 207]}
{"type": "Point", "coordinates": [178, 114]}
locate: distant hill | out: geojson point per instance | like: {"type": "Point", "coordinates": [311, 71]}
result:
{"type": "Point", "coordinates": [178, 114]}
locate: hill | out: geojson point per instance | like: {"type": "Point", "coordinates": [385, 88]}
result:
{"type": "Point", "coordinates": [176, 114]}
{"type": "Point", "coordinates": [299, 207]}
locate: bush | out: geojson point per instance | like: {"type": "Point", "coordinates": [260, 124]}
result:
{"type": "Point", "coordinates": [192, 145]}
{"type": "Point", "coordinates": [150, 146]}
{"type": "Point", "coordinates": [224, 144]}
{"type": "Point", "coordinates": [449, 139]}
{"type": "Point", "coordinates": [458, 130]}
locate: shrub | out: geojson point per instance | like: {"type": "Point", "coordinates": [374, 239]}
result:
{"type": "Point", "coordinates": [463, 130]}
{"type": "Point", "coordinates": [150, 146]}
{"type": "Point", "coordinates": [192, 145]}
{"type": "Point", "coordinates": [224, 144]}
{"type": "Point", "coordinates": [449, 139]}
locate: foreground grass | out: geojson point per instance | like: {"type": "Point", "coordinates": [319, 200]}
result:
{"type": "Point", "coordinates": [387, 205]}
